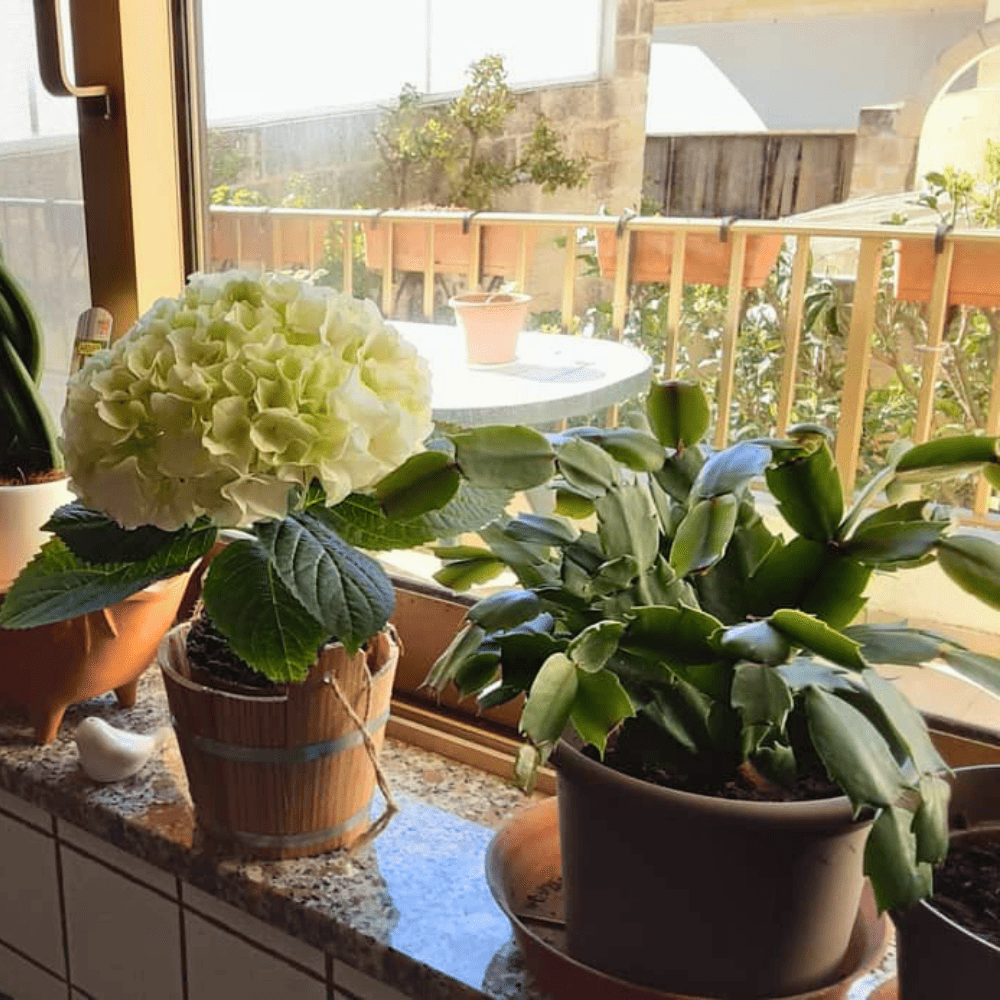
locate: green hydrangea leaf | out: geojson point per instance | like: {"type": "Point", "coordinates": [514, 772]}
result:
{"type": "Point", "coordinates": [264, 624]}
{"type": "Point", "coordinates": [56, 585]}
{"type": "Point", "coordinates": [347, 592]}
{"type": "Point", "coordinates": [95, 537]}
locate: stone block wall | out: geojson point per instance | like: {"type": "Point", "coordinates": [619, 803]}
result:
{"type": "Point", "coordinates": [885, 154]}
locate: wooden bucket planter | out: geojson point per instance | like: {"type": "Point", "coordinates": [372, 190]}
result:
{"type": "Point", "coordinates": [282, 775]}
{"type": "Point", "coordinates": [452, 248]}
{"type": "Point", "coordinates": [975, 273]}
{"type": "Point", "coordinates": [706, 257]}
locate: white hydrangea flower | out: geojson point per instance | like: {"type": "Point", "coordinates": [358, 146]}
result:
{"type": "Point", "coordinates": [218, 402]}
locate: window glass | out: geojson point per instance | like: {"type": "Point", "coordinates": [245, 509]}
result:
{"type": "Point", "coordinates": [42, 231]}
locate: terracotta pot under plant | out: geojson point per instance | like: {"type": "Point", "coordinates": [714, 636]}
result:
{"type": "Point", "coordinates": [492, 323]}
{"type": "Point", "coordinates": [693, 648]}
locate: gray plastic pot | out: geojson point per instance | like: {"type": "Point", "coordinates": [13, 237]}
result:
{"type": "Point", "coordinates": [705, 896]}
{"type": "Point", "coordinates": [937, 957]}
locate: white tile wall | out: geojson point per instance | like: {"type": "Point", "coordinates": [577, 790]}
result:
{"type": "Point", "coordinates": [23, 980]}
{"type": "Point", "coordinates": [29, 894]}
{"type": "Point", "coordinates": [124, 939]}
{"type": "Point", "coordinates": [241, 922]}
{"type": "Point", "coordinates": [123, 931]}
{"type": "Point", "coordinates": [221, 965]}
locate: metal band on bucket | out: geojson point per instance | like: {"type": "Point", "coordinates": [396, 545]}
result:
{"type": "Point", "coordinates": [241, 754]}
{"type": "Point", "coordinates": [264, 841]}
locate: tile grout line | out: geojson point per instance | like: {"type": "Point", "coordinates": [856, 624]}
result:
{"type": "Point", "coordinates": [183, 940]}
{"type": "Point", "coordinates": [27, 958]}
{"type": "Point", "coordinates": [25, 822]}
{"type": "Point", "coordinates": [62, 908]}
{"type": "Point", "coordinates": [257, 945]}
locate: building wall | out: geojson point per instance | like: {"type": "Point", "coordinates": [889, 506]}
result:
{"type": "Point", "coordinates": [603, 119]}
{"type": "Point", "coordinates": [808, 72]}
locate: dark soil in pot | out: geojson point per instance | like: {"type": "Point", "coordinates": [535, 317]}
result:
{"type": "Point", "coordinates": [214, 664]}
{"type": "Point", "coordinates": [967, 887]}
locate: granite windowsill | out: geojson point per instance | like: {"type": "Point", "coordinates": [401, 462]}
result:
{"type": "Point", "coordinates": [412, 910]}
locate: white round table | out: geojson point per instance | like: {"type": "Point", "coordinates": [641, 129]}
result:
{"type": "Point", "coordinates": [553, 377]}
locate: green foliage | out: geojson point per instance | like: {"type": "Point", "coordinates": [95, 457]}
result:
{"type": "Point", "coordinates": [672, 616]}
{"type": "Point", "coordinates": [449, 155]}
{"type": "Point", "coordinates": [303, 581]}
{"type": "Point", "coordinates": [28, 441]}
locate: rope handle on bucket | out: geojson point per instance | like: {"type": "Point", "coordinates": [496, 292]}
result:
{"type": "Point", "coordinates": [391, 808]}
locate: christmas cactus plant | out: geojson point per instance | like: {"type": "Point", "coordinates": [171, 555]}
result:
{"type": "Point", "coordinates": [657, 608]}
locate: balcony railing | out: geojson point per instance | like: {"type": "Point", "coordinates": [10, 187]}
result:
{"type": "Point", "coordinates": [858, 293]}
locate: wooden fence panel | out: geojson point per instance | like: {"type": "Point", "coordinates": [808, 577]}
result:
{"type": "Point", "coordinates": [753, 176]}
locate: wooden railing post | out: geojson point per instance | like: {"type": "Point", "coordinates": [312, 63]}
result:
{"type": "Point", "coordinates": [793, 332]}
{"type": "Point", "coordinates": [857, 361]}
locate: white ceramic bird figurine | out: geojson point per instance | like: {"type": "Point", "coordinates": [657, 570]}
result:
{"type": "Point", "coordinates": [109, 754]}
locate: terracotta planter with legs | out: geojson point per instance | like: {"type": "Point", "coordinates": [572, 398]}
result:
{"type": "Point", "coordinates": [44, 670]}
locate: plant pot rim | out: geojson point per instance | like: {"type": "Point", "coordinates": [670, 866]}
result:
{"type": "Point", "coordinates": [811, 813]}
{"type": "Point", "coordinates": [475, 300]}
{"type": "Point", "coordinates": [59, 480]}
{"type": "Point", "coordinates": [181, 630]}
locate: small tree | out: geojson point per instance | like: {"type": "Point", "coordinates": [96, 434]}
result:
{"type": "Point", "coordinates": [448, 151]}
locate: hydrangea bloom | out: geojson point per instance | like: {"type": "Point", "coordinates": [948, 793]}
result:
{"type": "Point", "coordinates": [216, 403]}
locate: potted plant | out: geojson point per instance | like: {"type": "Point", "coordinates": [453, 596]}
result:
{"type": "Point", "coordinates": [492, 322]}
{"type": "Point", "coordinates": [953, 929]}
{"type": "Point", "coordinates": [707, 665]}
{"type": "Point", "coordinates": [957, 196]}
{"type": "Point", "coordinates": [287, 420]}
{"type": "Point", "coordinates": [444, 154]}
{"type": "Point", "coordinates": [32, 483]}
{"type": "Point", "coordinates": [46, 669]}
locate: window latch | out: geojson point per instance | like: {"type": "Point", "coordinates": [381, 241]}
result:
{"type": "Point", "coordinates": [48, 37]}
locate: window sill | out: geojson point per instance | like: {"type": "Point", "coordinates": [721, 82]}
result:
{"type": "Point", "coordinates": [411, 915]}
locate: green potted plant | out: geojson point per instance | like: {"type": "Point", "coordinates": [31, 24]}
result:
{"type": "Point", "coordinates": [288, 421]}
{"type": "Point", "coordinates": [956, 928]}
{"type": "Point", "coordinates": [45, 669]}
{"type": "Point", "coordinates": [959, 198]}
{"type": "Point", "coordinates": [710, 663]}
{"type": "Point", "coordinates": [32, 483]}
{"type": "Point", "coordinates": [441, 157]}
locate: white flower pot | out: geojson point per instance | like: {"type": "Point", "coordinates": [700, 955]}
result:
{"type": "Point", "coordinates": [23, 511]}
